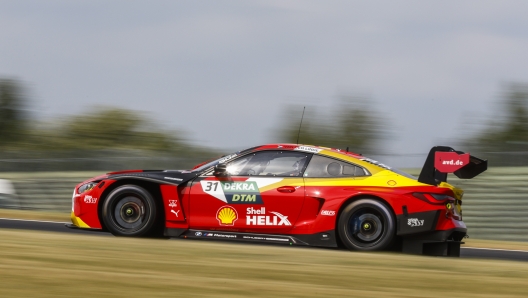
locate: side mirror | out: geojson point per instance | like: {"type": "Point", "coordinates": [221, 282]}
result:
{"type": "Point", "coordinates": [220, 170]}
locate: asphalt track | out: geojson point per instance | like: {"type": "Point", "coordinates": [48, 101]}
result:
{"type": "Point", "coordinates": [50, 226]}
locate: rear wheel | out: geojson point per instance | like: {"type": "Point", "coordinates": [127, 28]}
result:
{"type": "Point", "coordinates": [366, 225]}
{"type": "Point", "coordinates": [130, 210]}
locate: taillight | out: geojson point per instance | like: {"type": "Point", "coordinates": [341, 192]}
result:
{"type": "Point", "coordinates": [432, 198]}
{"type": "Point", "coordinates": [452, 210]}
{"type": "Point", "coordinates": [450, 203]}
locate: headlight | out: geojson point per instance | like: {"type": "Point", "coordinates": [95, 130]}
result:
{"type": "Point", "coordinates": [86, 187]}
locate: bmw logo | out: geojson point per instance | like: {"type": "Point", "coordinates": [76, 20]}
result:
{"type": "Point", "coordinates": [198, 234]}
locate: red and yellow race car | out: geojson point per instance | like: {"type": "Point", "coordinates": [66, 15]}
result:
{"type": "Point", "coordinates": [291, 194]}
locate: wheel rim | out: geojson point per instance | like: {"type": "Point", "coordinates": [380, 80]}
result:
{"type": "Point", "coordinates": [129, 212]}
{"type": "Point", "coordinates": [365, 227]}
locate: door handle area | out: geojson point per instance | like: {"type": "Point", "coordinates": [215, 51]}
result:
{"type": "Point", "coordinates": [286, 189]}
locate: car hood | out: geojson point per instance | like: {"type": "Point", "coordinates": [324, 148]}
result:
{"type": "Point", "coordinates": [176, 177]}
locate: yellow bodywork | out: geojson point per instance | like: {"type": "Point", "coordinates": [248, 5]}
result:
{"type": "Point", "coordinates": [77, 221]}
{"type": "Point", "coordinates": [381, 176]}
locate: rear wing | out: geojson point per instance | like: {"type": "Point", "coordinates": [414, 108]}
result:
{"type": "Point", "coordinates": [443, 160]}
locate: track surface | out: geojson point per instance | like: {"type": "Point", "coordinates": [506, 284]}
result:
{"type": "Point", "coordinates": [49, 226]}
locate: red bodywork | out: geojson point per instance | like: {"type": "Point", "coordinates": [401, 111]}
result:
{"type": "Point", "coordinates": [276, 205]}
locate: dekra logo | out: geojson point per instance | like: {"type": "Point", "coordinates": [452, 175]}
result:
{"type": "Point", "coordinates": [233, 192]}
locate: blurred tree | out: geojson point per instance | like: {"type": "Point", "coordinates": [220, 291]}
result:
{"type": "Point", "coordinates": [352, 124]}
{"type": "Point", "coordinates": [106, 128]}
{"type": "Point", "coordinates": [103, 138]}
{"type": "Point", "coordinates": [12, 113]}
{"type": "Point", "coordinates": [507, 131]}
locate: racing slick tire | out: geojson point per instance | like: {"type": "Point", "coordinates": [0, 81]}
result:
{"type": "Point", "coordinates": [130, 210]}
{"type": "Point", "coordinates": [366, 225]}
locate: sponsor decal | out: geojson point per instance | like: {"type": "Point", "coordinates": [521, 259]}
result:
{"type": "Point", "coordinates": [265, 238]}
{"type": "Point", "coordinates": [449, 162]}
{"type": "Point", "coordinates": [90, 200]}
{"type": "Point", "coordinates": [174, 204]}
{"type": "Point", "coordinates": [308, 149]}
{"type": "Point", "coordinates": [453, 162]}
{"type": "Point", "coordinates": [198, 234]}
{"type": "Point", "coordinates": [233, 192]}
{"type": "Point", "coordinates": [328, 212]}
{"type": "Point", "coordinates": [226, 216]}
{"type": "Point", "coordinates": [175, 179]}
{"type": "Point", "coordinates": [374, 162]}
{"type": "Point", "coordinates": [224, 235]}
{"type": "Point", "coordinates": [256, 217]}
{"type": "Point", "coordinates": [217, 235]}
{"type": "Point", "coordinates": [226, 158]}
{"type": "Point", "coordinates": [415, 222]}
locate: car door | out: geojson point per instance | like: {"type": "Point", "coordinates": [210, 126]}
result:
{"type": "Point", "coordinates": [262, 193]}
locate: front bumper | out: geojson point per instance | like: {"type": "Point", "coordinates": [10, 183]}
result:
{"type": "Point", "coordinates": [78, 222]}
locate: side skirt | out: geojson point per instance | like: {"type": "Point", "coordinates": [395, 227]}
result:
{"type": "Point", "coordinates": [326, 239]}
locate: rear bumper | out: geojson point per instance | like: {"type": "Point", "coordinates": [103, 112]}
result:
{"type": "Point", "coordinates": [420, 223]}
{"type": "Point", "coordinates": [437, 243]}
{"type": "Point", "coordinates": [431, 233]}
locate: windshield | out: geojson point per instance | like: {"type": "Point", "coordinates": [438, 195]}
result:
{"type": "Point", "coordinates": [215, 162]}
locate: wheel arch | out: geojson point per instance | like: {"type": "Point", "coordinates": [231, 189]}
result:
{"type": "Point", "coordinates": [152, 187]}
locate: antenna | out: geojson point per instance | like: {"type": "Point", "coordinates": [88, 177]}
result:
{"type": "Point", "coordinates": [299, 133]}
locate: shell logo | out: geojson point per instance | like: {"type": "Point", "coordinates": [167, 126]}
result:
{"type": "Point", "coordinates": [226, 216]}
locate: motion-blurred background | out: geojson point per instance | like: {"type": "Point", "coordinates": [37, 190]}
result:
{"type": "Point", "coordinates": [91, 86]}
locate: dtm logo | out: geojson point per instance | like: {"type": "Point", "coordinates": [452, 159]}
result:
{"type": "Point", "coordinates": [237, 192]}
{"type": "Point", "coordinates": [415, 222]}
{"type": "Point", "coordinates": [265, 220]}
{"type": "Point", "coordinates": [90, 200]}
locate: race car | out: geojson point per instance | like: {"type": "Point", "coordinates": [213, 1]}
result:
{"type": "Point", "coordinates": [291, 194]}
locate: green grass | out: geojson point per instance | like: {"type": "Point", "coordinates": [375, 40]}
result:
{"type": "Point", "coordinates": [35, 215]}
{"type": "Point", "coordinates": [496, 244]}
{"type": "Point", "coordinates": [36, 264]}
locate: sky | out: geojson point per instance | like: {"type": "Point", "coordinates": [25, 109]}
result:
{"type": "Point", "coordinates": [225, 71]}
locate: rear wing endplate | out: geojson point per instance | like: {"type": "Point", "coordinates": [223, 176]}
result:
{"type": "Point", "coordinates": [443, 160]}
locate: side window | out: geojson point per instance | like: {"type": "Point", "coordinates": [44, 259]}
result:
{"type": "Point", "coordinates": [321, 167]}
{"type": "Point", "coordinates": [269, 163]}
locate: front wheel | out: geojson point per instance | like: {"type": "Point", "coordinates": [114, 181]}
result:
{"type": "Point", "coordinates": [366, 225]}
{"type": "Point", "coordinates": [129, 210]}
